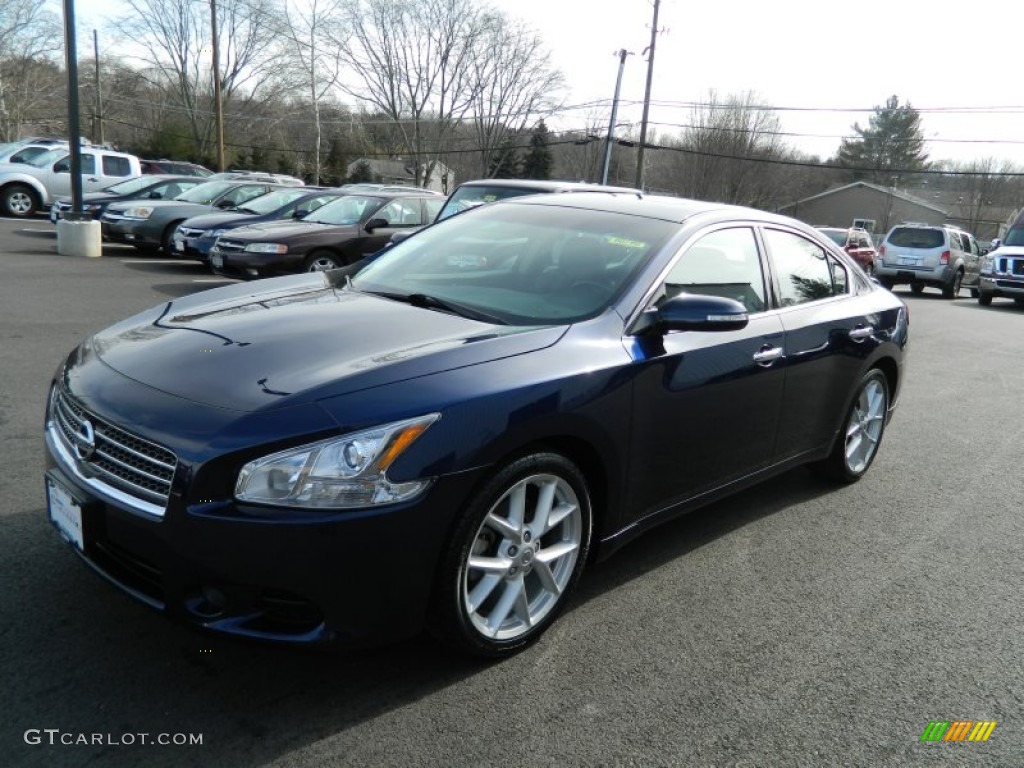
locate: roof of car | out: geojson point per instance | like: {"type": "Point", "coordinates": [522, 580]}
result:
{"type": "Point", "coordinates": [543, 185]}
{"type": "Point", "coordinates": [675, 209]}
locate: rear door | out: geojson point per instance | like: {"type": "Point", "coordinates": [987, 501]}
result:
{"type": "Point", "coordinates": [827, 338]}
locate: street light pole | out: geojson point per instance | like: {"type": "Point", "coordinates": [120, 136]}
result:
{"type": "Point", "coordinates": [622, 54]}
{"type": "Point", "coordinates": [218, 108]}
{"type": "Point", "coordinates": [647, 101]}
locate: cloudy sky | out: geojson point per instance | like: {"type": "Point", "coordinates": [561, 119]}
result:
{"type": "Point", "coordinates": [824, 65]}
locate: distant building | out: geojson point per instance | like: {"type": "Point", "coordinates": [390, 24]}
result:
{"type": "Point", "coordinates": [871, 206]}
{"type": "Point", "coordinates": [403, 172]}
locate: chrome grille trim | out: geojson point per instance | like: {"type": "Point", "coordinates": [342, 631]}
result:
{"type": "Point", "coordinates": [128, 463]}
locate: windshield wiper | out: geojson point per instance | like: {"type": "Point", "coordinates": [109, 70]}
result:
{"type": "Point", "coordinates": [243, 209]}
{"type": "Point", "coordinates": [433, 302]}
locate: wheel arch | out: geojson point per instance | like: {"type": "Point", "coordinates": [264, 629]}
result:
{"type": "Point", "coordinates": [25, 181]}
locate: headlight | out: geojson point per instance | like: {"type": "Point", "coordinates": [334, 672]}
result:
{"type": "Point", "coordinates": [213, 233]}
{"type": "Point", "coordinates": [987, 263]}
{"type": "Point", "coordinates": [138, 212]}
{"type": "Point", "coordinates": [340, 473]}
{"type": "Point", "coordinates": [266, 248]}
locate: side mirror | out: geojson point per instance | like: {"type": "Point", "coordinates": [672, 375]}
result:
{"type": "Point", "coordinates": [62, 166]}
{"type": "Point", "coordinates": [223, 204]}
{"type": "Point", "coordinates": [996, 242]}
{"type": "Point", "coordinates": [299, 213]}
{"type": "Point", "coordinates": [373, 224]}
{"type": "Point", "coordinates": [155, 195]}
{"type": "Point", "coordinates": [695, 312]}
{"type": "Point", "coordinates": [399, 237]}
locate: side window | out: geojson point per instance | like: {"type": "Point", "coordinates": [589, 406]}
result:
{"type": "Point", "coordinates": [239, 195]}
{"type": "Point", "coordinates": [88, 163]}
{"type": "Point", "coordinates": [401, 213]}
{"type": "Point", "coordinates": [723, 263]}
{"type": "Point", "coordinates": [434, 207]}
{"type": "Point", "coordinates": [116, 166]}
{"type": "Point", "coordinates": [805, 272]}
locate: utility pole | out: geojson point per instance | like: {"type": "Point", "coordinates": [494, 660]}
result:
{"type": "Point", "coordinates": [622, 54]}
{"type": "Point", "coordinates": [74, 132]}
{"type": "Point", "coordinates": [98, 127]}
{"type": "Point", "coordinates": [218, 108]}
{"type": "Point", "coordinates": [647, 100]}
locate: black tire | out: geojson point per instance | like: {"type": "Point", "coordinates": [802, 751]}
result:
{"type": "Point", "coordinates": [167, 240]}
{"type": "Point", "coordinates": [952, 290]}
{"type": "Point", "coordinates": [146, 250]}
{"type": "Point", "coordinates": [321, 261]}
{"type": "Point", "coordinates": [974, 293]}
{"type": "Point", "coordinates": [527, 571]}
{"type": "Point", "coordinates": [985, 299]}
{"type": "Point", "coordinates": [865, 420]}
{"type": "Point", "coordinates": [917, 288]}
{"type": "Point", "coordinates": [886, 283]}
{"type": "Point", "coordinates": [19, 201]}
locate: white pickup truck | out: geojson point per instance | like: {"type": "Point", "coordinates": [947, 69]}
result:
{"type": "Point", "coordinates": [31, 186]}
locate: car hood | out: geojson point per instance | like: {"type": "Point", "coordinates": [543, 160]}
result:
{"type": "Point", "coordinates": [286, 341]}
{"type": "Point", "coordinates": [159, 204]}
{"type": "Point", "coordinates": [275, 230]}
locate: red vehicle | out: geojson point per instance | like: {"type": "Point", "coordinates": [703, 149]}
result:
{"type": "Point", "coordinates": [856, 242]}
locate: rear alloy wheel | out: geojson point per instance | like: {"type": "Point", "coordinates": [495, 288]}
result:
{"type": "Point", "coordinates": [167, 241]}
{"type": "Point", "coordinates": [985, 299]}
{"type": "Point", "coordinates": [857, 445]}
{"type": "Point", "coordinates": [515, 557]}
{"type": "Point", "coordinates": [952, 290]}
{"type": "Point", "coordinates": [19, 200]}
{"type": "Point", "coordinates": [321, 261]}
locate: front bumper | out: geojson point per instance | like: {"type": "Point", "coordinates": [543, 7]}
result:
{"type": "Point", "coordinates": [132, 231]}
{"type": "Point", "coordinates": [1001, 286]}
{"type": "Point", "coordinates": [355, 578]}
{"type": "Point", "coordinates": [251, 265]}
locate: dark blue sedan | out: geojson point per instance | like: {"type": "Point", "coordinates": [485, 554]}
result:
{"type": "Point", "coordinates": [446, 439]}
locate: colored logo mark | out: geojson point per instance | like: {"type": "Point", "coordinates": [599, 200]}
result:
{"type": "Point", "coordinates": [958, 730]}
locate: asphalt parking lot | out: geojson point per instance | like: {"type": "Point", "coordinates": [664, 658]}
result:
{"type": "Point", "coordinates": [796, 624]}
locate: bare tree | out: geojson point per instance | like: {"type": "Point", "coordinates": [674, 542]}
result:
{"type": "Point", "coordinates": [177, 38]}
{"type": "Point", "coordinates": [313, 30]}
{"type": "Point", "coordinates": [515, 86]}
{"type": "Point", "coordinates": [724, 134]}
{"type": "Point", "coordinates": [412, 61]}
{"type": "Point", "coordinates": [29, 36]}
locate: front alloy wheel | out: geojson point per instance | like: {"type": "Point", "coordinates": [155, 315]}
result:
{"type": "Point", "coordinates": [515, 558]}
{"type": "Point", "coordinates": [321, 262]}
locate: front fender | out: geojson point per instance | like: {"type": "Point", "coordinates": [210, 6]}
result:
{"type": "Point", "coordinates": [10, 177]}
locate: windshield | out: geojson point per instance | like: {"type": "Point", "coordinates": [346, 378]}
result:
{"type": "Point", "coordinates": [522, 264]}
{"type": "Point", "coordinates": [917, 237]}
{"type": "Point", "coordinates": [470, 197]}
{"type": "Point", "coordinates": [347, 210]}
{"type": "Point", "coordinates": [837, 236]}
{"type": "Point", "coordinates": [206, 192]}
{"type": "Point", "coordinates": [1015, 236]}
{"type": "Point", "coordinates": [273, 200]}
{"type": "Point", "coordinates": [128, 186]}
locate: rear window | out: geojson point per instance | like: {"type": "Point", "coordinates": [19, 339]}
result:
{"type": "Point", "coordinates": [472, 196]}
{"type": "Point", "coordinates": [917, 237]}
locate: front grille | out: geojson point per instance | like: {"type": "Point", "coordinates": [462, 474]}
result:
{"type": "Point", "coordinates": [191, 231]}
{"type": "Point", "coordinates": [230, 246]}
{"type": "Point", "coordinates": [131, 464]}
{"type": "Point", "coordinates": [1016, 267]}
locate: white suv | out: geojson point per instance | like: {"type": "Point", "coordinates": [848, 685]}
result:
{"type": "Point", "coordinates": [936, 255]}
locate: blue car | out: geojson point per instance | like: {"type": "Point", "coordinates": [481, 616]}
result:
{"type": "Point", "coordinates": [194, 237]}
{"type": "Point", "coordinates": [446, 439]}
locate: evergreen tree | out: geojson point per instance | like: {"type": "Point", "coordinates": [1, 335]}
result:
{"type": "Point", "coordinates": [892, 142]}
{"type": "Point", "coordinates": [362, 173]}
{"type": "Point", "coordinates": [505, 162]}
{"type": "Point", "coordinates": [538, 161]}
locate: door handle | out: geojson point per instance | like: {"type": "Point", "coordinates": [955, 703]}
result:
{"type": "Point", "coordinates": [861, 332]}
{"type": "Point", "coordinates": [767, 355]}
